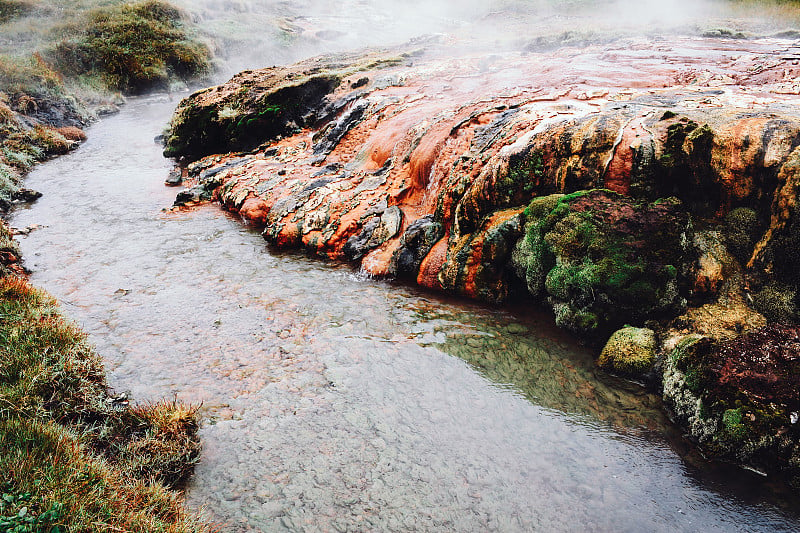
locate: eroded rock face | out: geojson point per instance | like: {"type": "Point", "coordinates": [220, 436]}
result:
{"type": "Point", "coordinates": [462, 148]}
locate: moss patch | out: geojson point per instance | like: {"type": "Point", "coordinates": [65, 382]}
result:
{"type": "Point", "coordinates": [630, 351]}
{"type": "Point", "coordinates": [604, 260]}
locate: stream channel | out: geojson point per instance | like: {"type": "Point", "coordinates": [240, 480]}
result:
{"type": "Point", "coordinates": [332, 402]}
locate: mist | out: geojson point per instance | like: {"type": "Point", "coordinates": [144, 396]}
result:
{"type": "Point", "coordinates": [258, 33]}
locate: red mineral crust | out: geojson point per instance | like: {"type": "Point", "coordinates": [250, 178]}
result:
{"type": "Point", "coordinates": [342, 154]}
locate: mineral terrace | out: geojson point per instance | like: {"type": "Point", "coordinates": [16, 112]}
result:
{"type": "Point", "coordinates": [645, 189]}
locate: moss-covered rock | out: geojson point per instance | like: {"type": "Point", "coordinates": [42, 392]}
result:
{"type": "Point", "coordinates": [741, 231]}
{"type": "Point", "coordinates": [739, 398]}
{"type": "Point", "coordinates": [630, 351]}
{"type": "Point", "coordinates": [604, 260]}
{"type": "Point", "coordinates": [258, 106]}
{"type": "Point", "coordinates": [778, 302]}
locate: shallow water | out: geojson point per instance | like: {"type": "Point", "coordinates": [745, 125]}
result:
{"type": "Point", "coordinates": [337, 403]}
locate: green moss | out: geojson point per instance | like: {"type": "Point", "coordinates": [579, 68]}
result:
{"type": "Point", "coordinates": [576, 254]}
{"type": "Point", "coordinates": [732, 426]}
{"type": "Point", "coordinates": [526, 173]}
{"type": "Point", "coordinates": [630, 351]}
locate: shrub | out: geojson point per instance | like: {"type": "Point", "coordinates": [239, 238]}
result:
{"type": "Point", "coordinates": [10, 9]}
{"type": "Point", "coordinates": [134, 47]}
{"type": "Point", "coordinates": [29, 77]}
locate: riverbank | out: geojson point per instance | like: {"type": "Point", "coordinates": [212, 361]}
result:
{"type": "Point", "coordinates": [64, 66]}
{"type": "Point", "coordinates": [639, 181]}
{"type": "Point", "coordinates": [76, 456]}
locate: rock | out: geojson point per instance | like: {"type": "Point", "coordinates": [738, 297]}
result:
{"type": "Point", "coordinates": [416, 242]}
{"type": "Point", "coordinates": [197, 193]}
{"type": "Point", "coordinates": [375, 232]}
{"type": "Point", "coordinates": [482, 163]}
{"type": "Point", "coordinates": [630, 351]}
{"type": "Point", "coordinates": [174, 178]}
{"type": "Point", "coordinates": [603, 260]}
{"type": "Point", "coordinates": [714, 263]}
{"type": "Point", "coordinates": [739, 397]}
{"type": "Point", "coordinates": [478, 263]}
{"type": "Point", "coordinates": [26, 195]}
{"type": "Point", "coordinates": [276, 101]}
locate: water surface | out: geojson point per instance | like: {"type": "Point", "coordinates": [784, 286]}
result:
{"type": "Point", "coordinates": [332, 402]}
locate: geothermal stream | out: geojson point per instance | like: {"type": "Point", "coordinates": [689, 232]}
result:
{"type": "Point", "coordinates": [337, 403]}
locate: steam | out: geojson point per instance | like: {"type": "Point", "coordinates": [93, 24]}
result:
{"type": "Point", "coordinates": [258, 33]}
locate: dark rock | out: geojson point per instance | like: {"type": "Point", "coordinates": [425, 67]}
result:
{"type": "Point", "coordinates": [197, 193]}
{"type": "Point", "coordinates": [175, 177]}
{"type": "Point", "coordinates": [416, 242]}
{"type": "Point", "coordinates": [356, 246]}
{"type": "Point", "coordinates": [374, 233]}
{"type": "Point", "coordinates": [338, 130]}
{"type": "Point", "coordinates": [27, 195]}
{"type": "Point", "coordinates": [327, 169]}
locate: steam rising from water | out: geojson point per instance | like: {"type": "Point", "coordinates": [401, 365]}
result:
{"type": "Point", "coordinates": [258, 33]}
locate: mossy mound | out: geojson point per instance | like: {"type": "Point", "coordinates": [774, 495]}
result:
{"type": "Point", "coordinates": [630, 351]}
{"type": "Point", "coordinates": [11, 9]}
{"type": "Point", "coordinates": [258, 106]}
{"type": "Point", "coordinates": [603, 260]}
{"type": "Point", "coordinates": [740, 397]}
{"type": "Point", "coordinates": [134, 47]}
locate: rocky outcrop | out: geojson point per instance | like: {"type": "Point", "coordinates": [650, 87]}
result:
{"type": "Point", "coordinates": [621, 184]}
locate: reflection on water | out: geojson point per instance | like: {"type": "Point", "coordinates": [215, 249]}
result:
{"type": "Point", "coordinates": [336, 403]}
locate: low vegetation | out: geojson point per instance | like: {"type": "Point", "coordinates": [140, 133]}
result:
{"type": "Point", "coordinates": [73, 458]}
{"type": "Point", "coordinates": [50, 88]}
{"type": "Point", "coordinates": [133, 47]}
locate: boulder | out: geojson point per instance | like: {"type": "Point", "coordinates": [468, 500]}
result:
{"type": "Point", "coordinates": [630, 352]}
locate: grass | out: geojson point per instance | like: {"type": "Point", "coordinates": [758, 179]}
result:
{"type": "Point", "coordinates": [133, 47]}
{"type": "Point", "coordinates": [71, 459]}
